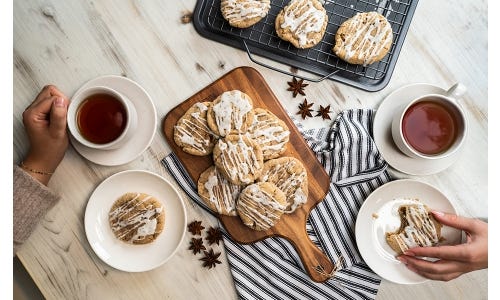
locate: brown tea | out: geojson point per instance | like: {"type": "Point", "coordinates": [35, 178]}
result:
{"type": "Point", "coordinates": [429, 127]}
{"type": "Point", "coordinates": [101, 118]}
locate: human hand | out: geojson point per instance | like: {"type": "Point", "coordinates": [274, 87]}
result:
{"type": "Point", "coordinates": [45, 124]}
{"type": "Point", "coordinates": [453, 260]}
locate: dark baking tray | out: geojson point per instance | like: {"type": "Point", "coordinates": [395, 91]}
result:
{"type": "Point", "coordinates": [261, 39]}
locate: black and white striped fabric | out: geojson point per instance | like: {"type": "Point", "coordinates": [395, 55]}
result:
{"type": "Point", "coordinates": [272, 269]}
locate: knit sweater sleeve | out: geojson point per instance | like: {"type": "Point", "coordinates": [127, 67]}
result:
{"type": "Point", "coordinates": [32, 200]}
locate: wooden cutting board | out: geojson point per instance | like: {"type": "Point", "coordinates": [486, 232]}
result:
{"type": "Point", "coordinates": [291, 226]}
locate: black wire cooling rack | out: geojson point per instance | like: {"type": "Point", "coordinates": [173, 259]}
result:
{"type": "Point", "coordinates": [262, 40]}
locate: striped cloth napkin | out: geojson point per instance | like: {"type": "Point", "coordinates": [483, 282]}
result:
{"type": "Point", "coordinates": [272, 269]}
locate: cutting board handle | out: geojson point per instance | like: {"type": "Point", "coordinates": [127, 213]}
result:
{"type": "Point", "coordinates": [317, 264]}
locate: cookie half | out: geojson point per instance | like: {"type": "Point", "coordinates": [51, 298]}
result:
{"type": "Point", "coordinates": [363, 39]}
{"type": "Point", "coordinates": [261, 205]}
{"type": "Point", "coordinates": [290, 176]}
{"type": "Point", "coordinates": [244, 13]}
{"type": "Point", "coordinates": [217, 192]}
{"type": "Point", "coordinates": [137, 218]}
{"type": "Point", "coordinates": [302, 23]}
{"type": "Point", "coordinates": [230, 113]}
{"type": "Point", "coordinates": [269, 132]}
{"type": "Point", "coordinates": [238, 158]}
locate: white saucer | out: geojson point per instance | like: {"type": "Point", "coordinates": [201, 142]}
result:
{"type": "Point", "coordinates": [146, 123]}
{"type": "Point", "coordinates": [384, 202]}
{"type": "Point", "coordinates": [128, 257]}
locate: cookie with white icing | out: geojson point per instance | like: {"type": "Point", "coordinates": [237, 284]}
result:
{"type": "Point", "coordinates": [238, 158]}
{"type": "Point", "coordinates": [290, 176]}
{"type": "Point", "coordinates": [192, 133]}
{"type": "Point", "coordinates": [217, 192]}
{"type": "Point", "coordinates": [302, 23]}
{"type": "Point", "coordinates": [363, 39]}
{"type": "Point", "coordinates": [269, 132]}
{"type": "Point", "coordinates": [244, 13]}
{"type": "Point", "coordinates": [137, 218]}
{"type": "Point", "coordinates": [260, 205]}
{"type": "Point", "coordinates": [230, 113]}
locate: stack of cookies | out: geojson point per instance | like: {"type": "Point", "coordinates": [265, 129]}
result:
{"type": "Point", "coordinates": [250, 177]}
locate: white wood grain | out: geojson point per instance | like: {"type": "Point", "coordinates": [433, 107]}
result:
{"type": "Point", "coordinates": [69, 42]}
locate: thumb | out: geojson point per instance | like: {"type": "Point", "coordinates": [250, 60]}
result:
{"type": "Point", "coordinates": [58, 114]}
{"type": "Point", "coordinates": [455, 221]}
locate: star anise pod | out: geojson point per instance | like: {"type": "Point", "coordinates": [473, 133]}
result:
{"type": "Point", "coordinates": [210, 259]}
{"type": "Point", "coordinates": [297, 87]}
{"type": "Point", "coordinates": [214, 235]}
{"type": "Point", "coordinates": [305, 109]}
{"type": "Point", "coordinates": [196, 245]}
{"type": "Point", "coordinates": [195, 227]}
{"type": "Point", "coordinates": [324, 112]}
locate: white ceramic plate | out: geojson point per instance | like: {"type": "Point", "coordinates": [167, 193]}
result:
{"type": "Point", "coordinates": [146, 123]}
{"type": "Point", "coordinates": [383, 136]}
{"type": "Point", "coordinates": [128, 257]}
{"type": "Point", "coordinates": [370, 230]}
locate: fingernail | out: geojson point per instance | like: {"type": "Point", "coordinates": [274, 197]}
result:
{"type": "Point", "coordinates": [409, 253]}
{"type": "Point", "coordinates": [403, 259]}
{"type": "Point", "coordinates": [437, 213]}
{"type": "Point", "coordinates": [59, 102]}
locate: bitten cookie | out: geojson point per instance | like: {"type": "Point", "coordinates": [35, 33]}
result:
{"type": "Point", "coordinates": [217, 192]}
{"type": "Point", "coordinates": [418, 229]}
{"type": "Point", "coordinates": [238, 158]}
{"type": "Point", "coordinates": [137, 218]}
{"type": "Point", "coordinates": [290, 176]}
{"type": "Point", "coordinates": [302, 23]}
{"type": "Point", "coordinates": [363, 39]}
{"type": "Point", "coordinates": [269, 132]}
{"type": "Point", "coordinates": [230, 113]}
{"type": "Point", "coordinates": [244, 13]}
{"type": "Point", "coordinates": [192, 133]}
{"type": "Point", "coordinates": [261, 205]}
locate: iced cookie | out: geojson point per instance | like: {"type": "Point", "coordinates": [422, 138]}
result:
{"type": "Point", "coordinates": [363, 39]}
{"type": "Point", "coordinates": [290, 176]}
{"type": "Point", "coordinates": [192, 133]}
{"type": "Point", "coordinates": [217, 192]}
{"type": "Point", "coordinates": [244, 13]}
{"type": "Point", "coordinates": [137, 218]}
{"type": "Point", "coordinates": [302, 23]}
{"type": "Point", "coordinates": [261, 205]}
{"type": "Point", "coordinates": [269, 132]}
{"type": "Point", "coordinates": [230, 113]}
{"type": "Point", "coordinates": [238, 158]}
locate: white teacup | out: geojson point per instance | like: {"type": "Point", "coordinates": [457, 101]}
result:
{"type": "Point", "coordinates": [432, 126]}
{"type": "Point", "coordinates": [101, 118]}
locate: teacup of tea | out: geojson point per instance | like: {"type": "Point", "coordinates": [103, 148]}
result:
{"type": "Point", "coordinates": [101, 118]}
{"type": "Point", "coordinates": [432, 126]}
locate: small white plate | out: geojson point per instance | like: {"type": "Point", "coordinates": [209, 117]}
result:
{"type": "Point", "coordinates": [146, 123]}
{"type": "Point", "coordinates": [383, 136]}
{"type": "Point", "coordinates": [379, 214]}
{"type": "Point", "coordinates": [128, 257]}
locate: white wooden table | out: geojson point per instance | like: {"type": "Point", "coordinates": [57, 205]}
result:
{"type": "Point", "coordinates": [67, 43]}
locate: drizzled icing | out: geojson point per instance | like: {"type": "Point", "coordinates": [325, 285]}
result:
{"type": "Point", "coordinates": [259, 207]}
{"type": "Point", "coordinates": [231, 112]}
{"type": "Point", "coordinates": [135, 216]}
{"type": "Point", "coordinates": [302, 18]}
{"type": "Point", "coordinates": [237, 11]}
{"type": "Point", "coordinates": [371, 34]}
{"type": "Point", "coordinates": [221, 193]}
{"type": "Point", "coordinates": [269, 133]}
{"type": "Point", "coordinates": [193, 131]}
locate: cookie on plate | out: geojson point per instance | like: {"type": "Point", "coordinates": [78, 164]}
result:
{"type": "Point", "coordinates": [230, 113]}
{"type": "Point", "coordinates": [290, 176]}
{"type": "Point", "coordinates": [269, 132]}
{"type": "Point", "coordinates": [261, 205]}
{"type": "Point", "coordinates": [244, 13]}
{"type": "Point", "coordinates": [363, 39]}
{"type": "Point", "coordinates": [137, 218]}
{"type": "Point", "coordinates": [302, 23]}
{"type": "Point", "coordinates": [217, 192]}
{"type": "Point", "coordinates": [238, 158]}
{"type": "Point", "coordinates": [418, 229]}
{"type": "Point", "coordinates": [192, 133]}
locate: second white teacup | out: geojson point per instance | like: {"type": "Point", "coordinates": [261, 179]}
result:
{"type": "Point", "coordinates": [99, 117]}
